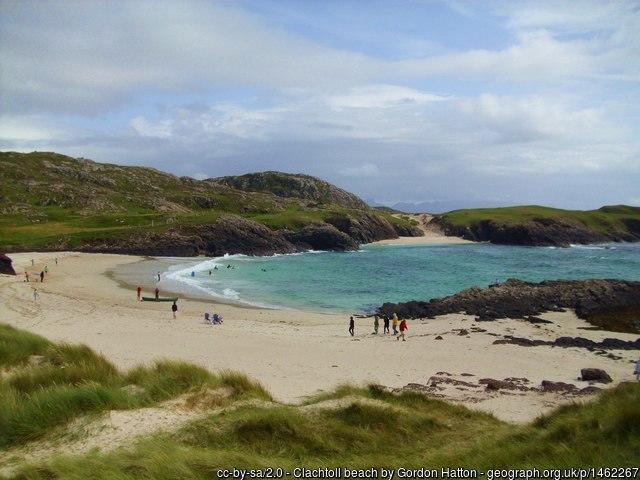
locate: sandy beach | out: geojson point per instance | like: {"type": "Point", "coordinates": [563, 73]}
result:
{"type": "Point", "coordinates": [293, 353]}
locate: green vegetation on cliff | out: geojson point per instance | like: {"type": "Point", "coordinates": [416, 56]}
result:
{"type": "Point", "coordinates": [537, 225]}
{"type": "Point", "coordinates": [51, 201]}
{"type": "Point", "coordinates": [350, 427]}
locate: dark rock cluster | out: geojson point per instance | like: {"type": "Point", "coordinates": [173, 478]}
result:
{"type": "Point", "coordinates": [610, 304]}
{"type": "Point", "coordinates": [233, 234]}
{"type": "Point", "coordinates": [577, 342]}
{"type": "Point", "coordinates": [5, 265]}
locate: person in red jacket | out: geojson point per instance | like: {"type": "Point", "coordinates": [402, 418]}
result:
{"type": "Point", "coordinates": [403, 329]}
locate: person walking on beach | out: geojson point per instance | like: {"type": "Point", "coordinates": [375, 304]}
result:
{"type": "Point", "coordinates": [394, 323]}
{"type": "Point", "coordinates": [158, 276]}
{"type": "Point", "coordinates": [46, 269]}
{"type": "Point", "coordinates": [174, 309]}
{"type": "Point", "coordinates": [376, 324]}
{"type": "Point", "coordinates": [352, 326]}
{"type": "Point", "coordinates": [139, 292]}
{"type": "Point", "coordinates": [26, 276]}
{"type": "Point", "coordinates": [32, 262]}
{"type": "Point", "coordinates": [403, 330]}
{"type": "Point", "coordinates": [157, 292]}
{"type": "Point", "coordinates": [385, 329]}
{"type": "Point", "coordinates": [56, 259]}
{"type": "Point", "coordinates": [636, 371]}
{"type": "Point", "coordinates": [42, 276]}
{"type": "Point", "coordinates": [35, 295]}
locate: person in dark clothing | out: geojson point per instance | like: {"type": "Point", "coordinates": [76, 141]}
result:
{"type": "Point", "coordinates": [157, 292]}
{"type": "Point", "coordinates": [352, 326]}
{"type": "Point", "coordinates": [174, 309]}
{"type": "Point", "coordinates": [42, 276]}
{"type": "Point", "coordinates": [386, 326]}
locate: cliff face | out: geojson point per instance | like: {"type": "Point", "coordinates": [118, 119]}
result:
{"type": "Point", "coordinates": [538, 226]}
{"type": "Point", "coordinates": [610, 304]}
{"type": "Point", "coordinates": [229, 234]}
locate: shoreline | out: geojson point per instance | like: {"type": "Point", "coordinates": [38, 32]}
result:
{"type": "Point", "coordinates": [296, 353]}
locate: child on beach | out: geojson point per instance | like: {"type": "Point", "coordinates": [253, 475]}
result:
{"type": "Point", "coordinates": [394, 323]}
{"type": "Point", "coordinates": [376, 324]}
{"type": "Point", "coordinates": [46, 269]}
{"type": "Point", "coordinates": [174, 309]}
{"type": "Point", "coordinates": [352, 326]}
{"type": "Point", "coordinates": [139, 292]}
{"type": "Point", "coordinates": [35, 294]}
{"type": "Point", "coordinates": [403, 329]}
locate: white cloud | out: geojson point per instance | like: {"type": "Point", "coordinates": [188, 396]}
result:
{"type": "Point", "coordinates": [381, 96]}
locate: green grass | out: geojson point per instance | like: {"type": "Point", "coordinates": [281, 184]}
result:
{"type": "Point", "coordinates": [407, 430]}
{"type": "Point", "coordinates": [69, 381]}
{"type": "Point", "coordinates": [604, 220]}
{"type": "Point", "coordinates": [369, 427]}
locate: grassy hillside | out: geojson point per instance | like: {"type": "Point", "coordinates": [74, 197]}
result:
{"type": "Point", "coordinates": [605, 220]}
{"type": "Point", "coordinates": [350, 427]}
{"type": "Point", "coordinates": [536, 225]}
{"type": "Point", "coordinates": [47, 199]}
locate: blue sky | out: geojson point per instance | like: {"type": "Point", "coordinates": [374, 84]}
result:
{"type": "Point", "coordinates": [451, 103]}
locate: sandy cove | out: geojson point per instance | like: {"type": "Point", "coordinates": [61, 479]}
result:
{"type": "Point", "coordinates": [293, 353]}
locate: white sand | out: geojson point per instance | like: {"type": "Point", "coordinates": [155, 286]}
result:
{"type": "Point", "coordinates": [433, 234]}
{"type": "Point", "coordinates": [293, 353]}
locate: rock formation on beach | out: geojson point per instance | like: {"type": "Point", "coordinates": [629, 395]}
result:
{"type": "Point", "coordinates": [5, 265]}
{"type": "Point", "coordinates": [610, 304]}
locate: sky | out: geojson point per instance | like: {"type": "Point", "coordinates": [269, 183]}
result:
{"type": "Point", "coordinates": [447, 104]}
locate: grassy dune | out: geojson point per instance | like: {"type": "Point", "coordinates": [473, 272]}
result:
{"type": "Point", "coordinates": [351, 426]}
{"type": "Point", "coordinates": [68, 381]}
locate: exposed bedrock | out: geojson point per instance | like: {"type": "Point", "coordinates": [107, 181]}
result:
{"type": "Point", "coordinates": [610, 304]}
{"type": "Point", "coordinates": [5, 265]}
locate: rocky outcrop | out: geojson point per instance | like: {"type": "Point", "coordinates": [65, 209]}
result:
{"type": "Point", "coordinates": [597, 301]}
{"type": "Point", "coordinates": [595, 375]}
{"type": "Point", "coordinates": [321, 237]}
{"type": "Point", "coordinates": [539, 232]}
{"type": "Point", "coordinates": [575, 342]}
{"type": "Point", "coordinates": [229, 234]}
{"type": "Point", "coordinates": [293, 185]}
{"type": "Point", "coordinates": [5, 265]}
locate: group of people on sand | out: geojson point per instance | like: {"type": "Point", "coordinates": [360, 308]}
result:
{"type": "Point", "coordinates": [399, 326]}
{"type": "Point", "coordinates": [27, 277]}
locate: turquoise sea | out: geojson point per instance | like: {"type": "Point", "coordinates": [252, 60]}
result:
{"type": "Point", "coordinates": [360, 281]}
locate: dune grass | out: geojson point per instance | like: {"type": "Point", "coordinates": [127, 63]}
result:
{"type": "Point", "coordinates": [351, 426]}
{"type": "Point", "coordinates": [407, 430]}
{"type": "Point", "coordinates": [46, 385]}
